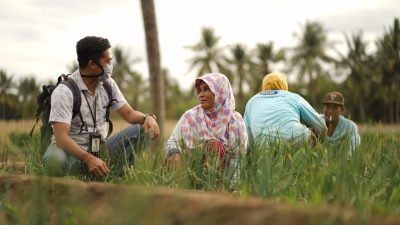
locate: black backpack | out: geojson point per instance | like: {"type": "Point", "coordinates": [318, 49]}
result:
{"type": "Point", "coordinates": [44, 106]}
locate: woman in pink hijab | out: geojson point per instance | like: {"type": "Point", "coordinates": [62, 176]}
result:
{"type": "Point", "coordinates": [213, 125]}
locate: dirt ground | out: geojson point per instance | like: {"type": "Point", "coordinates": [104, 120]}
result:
{"type": "Point", "coordinates": [41, 200]}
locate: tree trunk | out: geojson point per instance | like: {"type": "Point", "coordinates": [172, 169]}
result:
{"type": "Point", "coordinates": [391, 115]}
{"type": "Point", "coordinates": [397, 110]}
{"type": "Point", "coordinates": [312, 92]}
{"type": "Point", "coordinates": [361, 109]}
{"type": "Point", "coordinates": [357, 106]}
{"type": "Point", "coordinates": [154, 62]}
{"type": "Point", "coordinates": [240, 85]}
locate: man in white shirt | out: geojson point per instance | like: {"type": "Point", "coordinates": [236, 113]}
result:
{"type": "Point", "coordinates": [74, 141]}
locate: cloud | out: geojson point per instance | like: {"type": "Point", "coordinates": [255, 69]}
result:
{"type": "Point", "coordinates": [41, 34]}
{"type": "Point", "coordinates": [368, 20]}
{"type": "Point", "coordinates": [72, 7]}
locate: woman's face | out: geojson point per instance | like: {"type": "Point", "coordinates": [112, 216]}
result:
{"type": "Point", "coordinates": [206, 97]}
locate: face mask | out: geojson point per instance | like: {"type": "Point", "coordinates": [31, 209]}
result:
{"type": "Point", "coordinates": [107, 70]}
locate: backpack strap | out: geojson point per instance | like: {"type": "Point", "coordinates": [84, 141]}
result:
{"type": "Point", "coordinates": [62, 77]}
{"type": "Point", "coordinates": [108, 88]}
{"type": "Point", "coordinates": [43, 101]}
{"type": "Point", "coordinates": [71, 84]}
{"type": "Point", "coordinates": [111, 100]}
{"type": "Point", "coordinates": [76, 107]}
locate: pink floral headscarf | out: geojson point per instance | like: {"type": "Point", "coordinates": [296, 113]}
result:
{"type": "Point", "coordinates": [221, 122]}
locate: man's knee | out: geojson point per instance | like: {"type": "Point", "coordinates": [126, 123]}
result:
{"type": "Point", "coordinates": [123, 145]}
{"type": "Point", "coordinates": [55, 160]}
{"type": "Point", "coordinates": [131, 136]}
{"type": "Point", "coordinates": [143, 138]}
{"type": "Point", "coordinates": [137, 131]}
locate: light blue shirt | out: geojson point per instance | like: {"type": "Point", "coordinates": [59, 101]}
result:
{"type": "Point", "coordinates": [345, 129]}
{"type": "Point", "coordinates": [278, 114]}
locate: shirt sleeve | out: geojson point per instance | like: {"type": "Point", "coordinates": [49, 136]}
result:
{"type": "Point", "coordinates": [239, 149]}
{"type": "Point", "coordinates": [172, 145]}
{"type": "Point", "coordinates": [247, 125]}
{"type": "Point", "coordinates": [61, 105]}
{"type": "Point", "coordinates": [311, 118]}
{"type": "Point", "coordinates": [241, 135]}
{"type": "Point", "coordinates": [117, 95]}
{"type": "Point", "coordinates": [355, 136]}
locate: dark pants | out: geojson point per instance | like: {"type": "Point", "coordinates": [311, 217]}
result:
{"type": "Point", "coordinates": [120, 147]}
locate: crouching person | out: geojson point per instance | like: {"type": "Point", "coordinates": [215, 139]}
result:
{"type": "Point", "coordinates": [340, 129]}
{"type": "Point", "coordinates": [276, 114]}
{"type": "Point", "coordinates": [77, 139]}
{"type": "Point", "coordinates": [213, 127]}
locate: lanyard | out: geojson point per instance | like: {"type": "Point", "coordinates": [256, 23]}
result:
{"type": "Point", "coordinates": [91, 112]}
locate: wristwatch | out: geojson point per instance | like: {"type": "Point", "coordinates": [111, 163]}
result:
{"type": "Point", "coordinates": [152, 115]}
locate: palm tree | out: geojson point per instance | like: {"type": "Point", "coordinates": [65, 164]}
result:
{"type": "Point", "coordinates": [240, 60]}
{"type": "Point", "coordinates": [358, 63]}
{"type": "Point", "coordinates": [154, 62]}
{"type": "Point", "coordinates": [28, 89]}
{"type": "Point", "coordinates": [123, 74]}
{"type": "Point", "coordinates": [6, 84]}
{"type": "Point", "coordinates": [137, 91]}
{"type": "Point", "coordinates": [174, 97]}
{"type": "Point", "coordinates": [309, 56]}
{"type": "Point", "coordinates": [388, 60]}
{"type": "Point", "coordinates": [264, 57]}
{"type": "Point", "coordinates": [208, 56]}
{"type": "Point", "coordinates": [122, 66]}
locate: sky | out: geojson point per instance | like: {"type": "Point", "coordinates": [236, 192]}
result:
{"type": "Point", "coordinates": [38, 37]}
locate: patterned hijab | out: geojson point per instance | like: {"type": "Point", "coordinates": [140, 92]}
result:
{"type": "Point", "coordinates": [275, 81]}
{"type": "Point", "coordinates": [218, 123]}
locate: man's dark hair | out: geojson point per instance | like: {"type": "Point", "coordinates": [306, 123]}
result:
{"type": "Point", "coordinates": [91, 48]}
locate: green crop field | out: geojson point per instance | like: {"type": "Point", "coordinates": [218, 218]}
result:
{"type": "Point", "coordinates": [367, 180]}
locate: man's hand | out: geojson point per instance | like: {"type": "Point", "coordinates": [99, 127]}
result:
{"type": "Point", "coordinates": [96, 166]}
{"type": "Point", "coordinates": [150, 125]}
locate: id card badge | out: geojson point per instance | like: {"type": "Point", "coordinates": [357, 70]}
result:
{"type": "Point", "coordinates": [94, 142]}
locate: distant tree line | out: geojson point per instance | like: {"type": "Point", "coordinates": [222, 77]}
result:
{"type": "Point", "coordinates": [370, 80]}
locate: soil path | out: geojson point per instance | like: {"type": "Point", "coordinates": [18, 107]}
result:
{"type": "Point", "coordinates": [41, 200]}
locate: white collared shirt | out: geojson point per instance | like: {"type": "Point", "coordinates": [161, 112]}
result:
{"type": "Point", "coordinates": [62, 101]}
